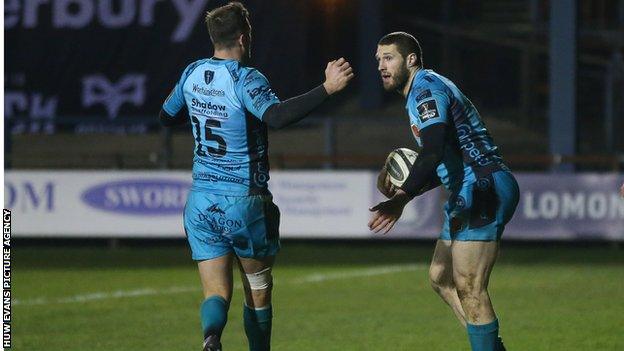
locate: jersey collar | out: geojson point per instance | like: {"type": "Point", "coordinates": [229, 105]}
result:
{"type": "Point", "coordinates": [220, 61]}
{"type": "Point", "coordinates": [421, 72]}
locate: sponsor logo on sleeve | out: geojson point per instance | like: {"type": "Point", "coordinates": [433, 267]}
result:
{"type": "Point", "coordinates": [263, 89]}
{"type": "Point", "coordinates": [260, 95]}
{"type": "Point", "coordinates": [423, 95]}
{"type": "Point", "coordinates": [251, 77]}
{"type": "Point", "coordinates": [427, 110]}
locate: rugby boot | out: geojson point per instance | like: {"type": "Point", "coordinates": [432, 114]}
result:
{"type": "Point", "coordinates": [212, 343]}
{"type": "Point", "coordinates": [499, 344]}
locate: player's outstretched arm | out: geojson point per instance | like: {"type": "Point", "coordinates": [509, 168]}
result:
{"type": "Point", "coordinates": [337, 75]}
{"type": "Point", "coordinates": [622, 190]}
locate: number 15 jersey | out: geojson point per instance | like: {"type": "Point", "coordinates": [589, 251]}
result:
{"type": "Point", "coordinates": [225, 102]}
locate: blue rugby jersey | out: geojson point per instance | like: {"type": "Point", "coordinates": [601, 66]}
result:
{"type": "Point", "coordinates": [226, 101]}
{"type": "Point", "coordinates": [470, 153]}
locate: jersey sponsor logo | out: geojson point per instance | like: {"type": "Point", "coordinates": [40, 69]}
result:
{"type": "Point", "coordinates": [251, 77]}
{"type": "Point", "coordinates": [260, 96]}
{"type": "Point", "coordinates": [97, 89]}
{"type": "Point", "coordinates": [221, 163]}
{"type": "Point", "coordinates": [215, 209]}
{"type": "Point", "coordinates": [142, 197]}
{"type": "Point", "coordinates": [423, 95]}
{"type": "Point", "coordinates": [207, 106]}
{"type": "Point", "coordinates": [263, 89]}
{"type": "Point", "coordinates": [218, 220]}
{"type": "Point", "coordinates": [217, 178]}
{"type": "Point", "coordinates": [206, 91]}
{"type": "Point", "coordinates": [427, 110]}
{"type": "Point", "coordinates": [208, 76]}
{"type": "Point", "coordinates": [209, 109]}
{"type": "Point", "coordinates": [228, 168]}
{"type": "Point", "coordinates": [469, 147]}
{"type": "Point", "coordinates": [261, 177]}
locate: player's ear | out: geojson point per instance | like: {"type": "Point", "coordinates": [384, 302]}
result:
{"type": "Point", "coordinates": [241, 40]}
{"type": "Point", "coordinates": [411, 60]}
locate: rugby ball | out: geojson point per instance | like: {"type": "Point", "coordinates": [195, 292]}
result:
{"type": "Point", "coordinates": [398, 164]}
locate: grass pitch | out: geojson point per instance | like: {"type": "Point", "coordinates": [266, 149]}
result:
{"type": "Point", "coordinates": [327, 296]}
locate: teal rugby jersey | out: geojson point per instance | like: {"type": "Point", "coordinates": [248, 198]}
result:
{"type": "Point", "coordinates": [470, 153]}
{"type": "Point", "coordinates": [226, 101]}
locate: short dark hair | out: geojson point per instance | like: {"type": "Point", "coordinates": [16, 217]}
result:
{"type": "Point", "coordinates": [406, 44]}
{"type": "Point", "coordinates": [226, 23]}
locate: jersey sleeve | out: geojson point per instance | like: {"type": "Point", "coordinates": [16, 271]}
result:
{"type": "Point", "coordinates": [175, 101]}
{"type": "Point", "coordinates": [432, 106]}
{"type": "Point", "coordinates": [257, 95]}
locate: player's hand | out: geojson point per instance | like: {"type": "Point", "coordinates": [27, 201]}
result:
{"type": "Point", "coordinates": [387, 213]}
{"type": "Point", "coordinates": [622, 190]}
{"type": "Point", "coordinates": [384, 185]}
{"type": "Point", "coordinates": [337, 75]}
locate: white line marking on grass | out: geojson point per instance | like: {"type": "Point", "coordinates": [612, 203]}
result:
{"type": "Point", "coordinates": [312, 278]}
{"type": "Point", "coordinates": [106, 295]}
{"type": "Point", "coordinates": [368, 272]}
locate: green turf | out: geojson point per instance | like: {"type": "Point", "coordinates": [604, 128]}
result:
{"type": "Point", "coordinates": [555, 298]}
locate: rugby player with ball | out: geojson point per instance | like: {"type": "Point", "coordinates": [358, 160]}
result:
{"type": "Point", "coordinates": [457, 151]}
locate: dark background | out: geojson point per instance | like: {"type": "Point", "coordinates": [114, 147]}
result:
{"type": "Point", "coordinates": [496, 51]}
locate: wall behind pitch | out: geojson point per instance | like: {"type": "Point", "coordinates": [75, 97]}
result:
{"type": "Point", "coordinates": [314, 204]}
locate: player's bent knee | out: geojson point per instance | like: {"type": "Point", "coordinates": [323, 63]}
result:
{"type": "Point", "coordinates": [261, 280]}
{"type": "Point", "coordinates": [436, 273]}
{"type": "Point", "coordinates": [438, 278]}
{"type": "Point", "coordinates": [436, 284]}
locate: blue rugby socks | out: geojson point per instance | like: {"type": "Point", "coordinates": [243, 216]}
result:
{"type": "Point", "coordinates": [258, 327]}
{"type": "Point", "coordinates": [213, 314]}
{"type": "Point", "coordinates": [484, 337]}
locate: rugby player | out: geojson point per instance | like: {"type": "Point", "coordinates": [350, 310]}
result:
{"type": "Point", "coordinates": [229, 215]}
{"type": "Point", "coordinates": [457, 151]}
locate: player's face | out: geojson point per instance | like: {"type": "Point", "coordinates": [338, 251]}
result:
{"type": "Point", "coordinates": [392, 67]}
